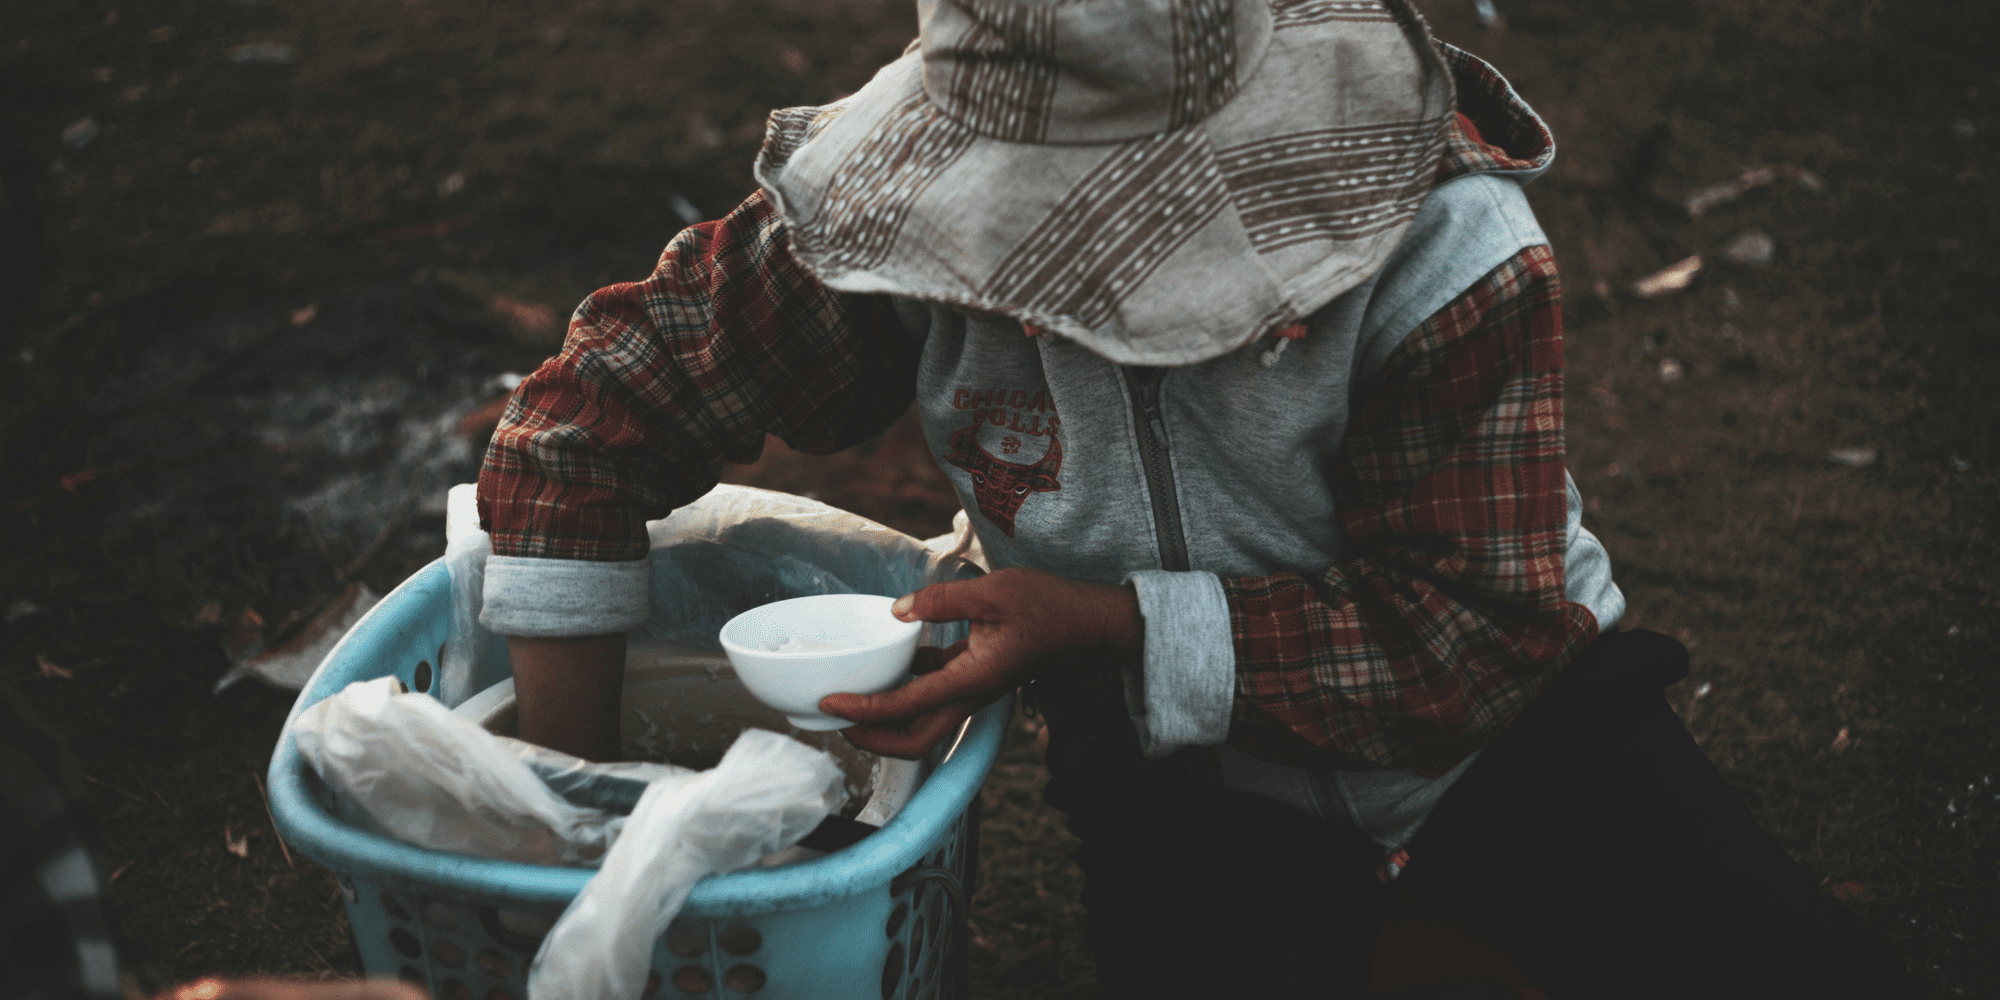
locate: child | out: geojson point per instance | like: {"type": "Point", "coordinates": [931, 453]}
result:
{"type": "Point", "coordinates": [1233, 329]}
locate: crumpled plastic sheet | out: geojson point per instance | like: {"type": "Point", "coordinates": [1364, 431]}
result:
{"type": "Point", "coordinates": [768, 792]}
{"type": "Point", "coordinates": [469, 646]}
{"type": "Point", "coordinates": [402, 765]}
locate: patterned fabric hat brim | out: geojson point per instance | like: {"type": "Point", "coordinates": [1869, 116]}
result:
{"type": "Point", "coordinates": [1161, 180]}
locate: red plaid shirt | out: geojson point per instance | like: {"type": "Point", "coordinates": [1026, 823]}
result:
{"type": "Point", "coordinates": [1425, 644]}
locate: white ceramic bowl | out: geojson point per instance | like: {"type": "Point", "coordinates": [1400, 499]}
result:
{"type": "Point", "coordinates": [874, 652]}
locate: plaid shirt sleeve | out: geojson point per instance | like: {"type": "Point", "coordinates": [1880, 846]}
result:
{"type": "Point", "coordinates": [1450, 616]}
{"type": "Point", "coordinates": [662, 381]}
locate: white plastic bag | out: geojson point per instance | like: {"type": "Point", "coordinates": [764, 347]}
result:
{"type": "Point", "coordinates": [404, 766]}
{"type": "Point", "coordinates": [467, 648]}
{"type": "Point", "coordinates": [768, 792]}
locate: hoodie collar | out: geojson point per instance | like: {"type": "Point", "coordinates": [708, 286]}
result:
{"type": "Point", "coordinates": [1495, 131]}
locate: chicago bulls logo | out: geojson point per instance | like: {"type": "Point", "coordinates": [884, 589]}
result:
{"type": "Point", "coordinates": [1001, 487]}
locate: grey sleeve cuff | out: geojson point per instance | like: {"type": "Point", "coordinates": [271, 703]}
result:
{"type": "Point", "coordinates": [565, 597]}
{"type": "Point", "coordinates": [1587, 568]}
{"type": "Point", "coordinates": [1188, 682]}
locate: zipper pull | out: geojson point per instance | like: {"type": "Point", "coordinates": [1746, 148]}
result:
{"type": "Point", "coordinates": [1146, 387]}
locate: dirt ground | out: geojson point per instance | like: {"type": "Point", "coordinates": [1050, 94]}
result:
{"type": "Point", "coordinates": [271, 269]}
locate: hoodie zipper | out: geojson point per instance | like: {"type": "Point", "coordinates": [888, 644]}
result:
{"type": "Point", "coordinates": [1144, 384]}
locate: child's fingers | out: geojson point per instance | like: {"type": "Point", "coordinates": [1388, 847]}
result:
{"type": "Point", "coordinates": [910, 738]}
{"type": "Point", "coordinates": [929, 659]}
{"type": "Point", "coordinates": [921, 695]}
{"type": "Point", "coordinates": [946, 602]}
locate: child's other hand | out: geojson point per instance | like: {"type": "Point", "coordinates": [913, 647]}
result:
{"type": "Point", "coordinates": [1022, 621]}
{"type": "Point", "coordinates": [567, 691]}
{"type": "Point", "coordinates": [293, 989]}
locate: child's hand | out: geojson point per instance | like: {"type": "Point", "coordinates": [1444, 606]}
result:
{"type": "Point", "coordinates": [1022, 621]}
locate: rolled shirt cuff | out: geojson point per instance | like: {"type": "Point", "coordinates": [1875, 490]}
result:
{"type": "Point", "coordinates": [1187, 685]}
{"type": "Point", "coordinates": [565, 597]}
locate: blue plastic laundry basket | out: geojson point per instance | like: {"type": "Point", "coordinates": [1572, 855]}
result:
{"type": "Point", "coordinates": [882, 918]}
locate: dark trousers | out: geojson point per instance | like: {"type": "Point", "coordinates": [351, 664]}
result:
{"type": "Point", "coordinates": [1593, 842]}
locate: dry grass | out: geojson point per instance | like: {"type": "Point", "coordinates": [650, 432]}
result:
{"type": "Point", "coordinates": [1027, 921]}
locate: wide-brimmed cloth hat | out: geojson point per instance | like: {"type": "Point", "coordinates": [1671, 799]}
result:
{"type": "Point", "coordinates": [1162, 181]}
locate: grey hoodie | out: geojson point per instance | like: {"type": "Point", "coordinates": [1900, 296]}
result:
{"type": "Point", "coordinates": [1173, 478]}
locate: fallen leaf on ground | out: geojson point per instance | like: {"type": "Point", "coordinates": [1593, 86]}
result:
{"type": "Point", "coordinates": [242, 638]}
{"type": "Point", "coordinates": [238, 845]}
{"type": "Point", "coordinates": [703, 132]}
{"type": "Point", "coordinates": [525, 317]}
{"type": "Point", "coordinates": [1753, 247]}
{"type": "Point", "coordinates": [80, 133]}
{"type": "Point", "coordinates": [421, 230]}
{"type": "Point", "coordinates": [1840, 740]}
{"type": "Point", "coordinates": [305, 314]}
{"type": "Point", "coordinates": [1851, 890]}
{"type": "Point", "coordinates": [1702, 200]}
{"type": "Point", "coordinates": [1671, 278]}
{"type": "Point", "coordinates": [480, 423]}
{"type": "Point", "coordinates": [50, 669]}
{"type": "Point", "coordinates": [1853, 458]}
{"type": "Point", "coordinates": [265, 53]}
{"type": "Point", "coordinates": [287, 666]}
{"type": "Point", "coordinates": [689, 214]}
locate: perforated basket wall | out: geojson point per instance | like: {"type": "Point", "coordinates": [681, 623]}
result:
{"type": "Point", "coordinates": [885, 917]}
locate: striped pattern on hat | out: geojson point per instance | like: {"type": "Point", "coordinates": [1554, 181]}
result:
{"type": "Point", "coordinates": [1161, 180]}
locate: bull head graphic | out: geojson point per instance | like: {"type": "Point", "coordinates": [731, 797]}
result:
{"type": "Point", "coordinates": [1001, 487]}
